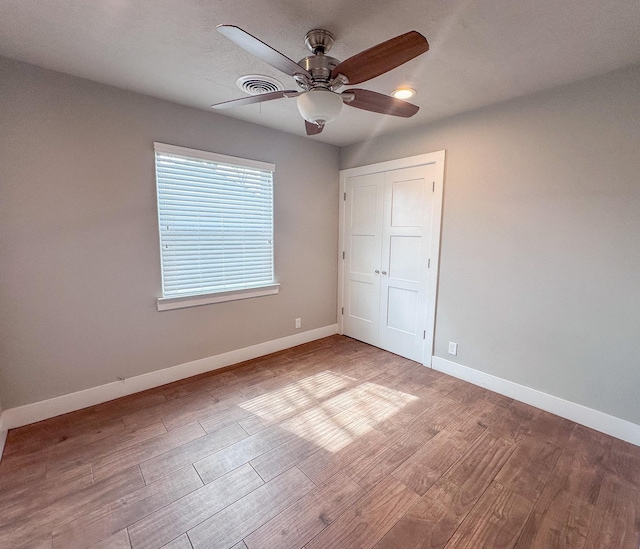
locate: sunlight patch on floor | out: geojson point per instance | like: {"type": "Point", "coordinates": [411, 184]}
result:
{"type": "Point", "coordinates": [300, 395]}
{"type": "Point", "coordinates": [335, 422]}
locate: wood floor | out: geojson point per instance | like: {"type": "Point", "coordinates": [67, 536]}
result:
{"type": "Point", "coordinates": [333, 444]}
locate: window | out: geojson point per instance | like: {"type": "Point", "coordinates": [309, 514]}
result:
{"type": "Point", "coordinates": [215, 215]}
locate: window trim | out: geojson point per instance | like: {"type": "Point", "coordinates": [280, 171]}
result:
{"type": "Point", "coordinates": [168, 303]}
{"type": "Point", "coordinates": [195, 300]}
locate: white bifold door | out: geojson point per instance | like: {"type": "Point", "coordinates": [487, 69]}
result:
{"type": "Point", "coordinates": [388, 221]}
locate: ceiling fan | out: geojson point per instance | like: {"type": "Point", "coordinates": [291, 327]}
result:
{"type": "Point", "coordinates": [319, 76]}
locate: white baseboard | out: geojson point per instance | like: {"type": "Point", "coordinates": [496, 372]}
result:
{"type": "Point", "coordinates": [3, 438]}
{"type": "Point", "coordinates": [30, 413]}
{"type": "Point", "coordinates": [610, 425]}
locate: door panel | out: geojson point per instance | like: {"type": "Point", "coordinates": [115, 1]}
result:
{"type": "Point", "coordinates": [407, 201]}
{"type": "Point", "coordinates": [402, 310]}
{"type": "Point", "coordinates": [404, 258]}
{"type": "Point", "coordinates": [405, 251]}
{"type": "Point", "coordinates": [363, 216]}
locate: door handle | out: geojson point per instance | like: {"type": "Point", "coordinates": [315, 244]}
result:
{"type": "Point", "coordinates": [384, 272]}
{"type": "Point", "coordinates": [377, 271]}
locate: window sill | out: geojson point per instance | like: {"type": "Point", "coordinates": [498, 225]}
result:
{"type": "Point", "coordinates": [168, 303]}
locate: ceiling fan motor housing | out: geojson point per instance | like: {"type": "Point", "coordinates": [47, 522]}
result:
{"type": "Point", "coordinates": [320, 67]}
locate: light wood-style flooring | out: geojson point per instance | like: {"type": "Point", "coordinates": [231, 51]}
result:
{"type": "Point", "coordinates": [332, 444]}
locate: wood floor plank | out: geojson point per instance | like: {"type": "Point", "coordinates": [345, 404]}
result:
{"type": "Point", "coordinates": [190, 452]}
{"type": "Point", "coordinates": [324, 464]}
{"type": "Point", "coordinates": [476, 470]}
{"type": "Point", "coordinates": [575, 474]}
{"type": "Point", "coordinates": [210, 382]}
{"type": "Point", "coordinates": [80, 439]}
{"type": "Point", "coordinates": [497, 399]}
{"type": "Point", "coordinates": [119, 540]}
{"type": "Point", "coordinates": [239, 519]}
{"type": "Point", "coordinates": [495, 521]}
{"type": "Point", "coordinates": [280, 404]}
{"type": "Point", "coordinates": [592, 446]}
{"type": "Point", "coordinates": [274, 383]}
{"type": "Point", "coordinates": [49, 433]}
{"type": "Point", "coordinates": [423, 469]}
{"type": "Point", "coordinates": [515, 421]}
{"type": "Point", "coordinates": [559, 519]}
{"type": "Point", "coordinates": [181, 416]}
{"type": "Point", "coordinates": [128, 404]}
{"type": "Point", "coordinates": [102, 523]}
{"type": "Point", "coordinates": [467, 393]}
{"type": "Point", "coordinates": [72, 438]}
{"type": "Point", "coordinates": [220, 463]}
{"type": "Point", "coordinates": [616, 518]}
{"type": "Point", "coordinates": [181, 542]}
{"type": "Point", "coordinates": [40, 524]}
{"type": "Point", "coordinates": [365, 523]}
{"type": "Point", "coordinates": [133, 455]}
{"type": "Point", "coordinates": [177, 518]}
{"type": "Point", "coordinates": [276, 461]}
{"type": "Point", "coordinates": [223, 418]}
{"type": "Point", "coordinates": [551, 428]}
{"type": "Point", "coordinates": [541, 532]}
{"type": "Point", "coordinates": [321, 424]}
{"type": "Point", "coordinates": [431, 522]}
{"type": "Point", "coordinates": [263, 416]}
{"type": "Point", "coordinates": [484, 412]}
{"type": "Point", "coordinates": [437, 416]}
{"type": "Point", "coordinates": [371, 468]}
{"type": "Point", "coordinates": [60, 462]}
{"type": "Point", "coordinates": [307, 517]}
{"type": "Point", "coordinates": [623, 461]}
{"type": "Point", "coordinates": [474, 421]}
{"type": "Point", "coordinates": [529, 467]}
{"type": "Point", "coordinates": [16, 503]}
{"type": "Point", "coordinates": [195, 404]}
{"type": "Point", "coordinates": [18, 473]}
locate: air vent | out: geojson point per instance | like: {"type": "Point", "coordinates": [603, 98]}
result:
{"type": "Point", "coordinates": [255, 84]}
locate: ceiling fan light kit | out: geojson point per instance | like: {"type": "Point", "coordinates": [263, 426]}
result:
{"type": "Point", "coordinates": [319, 106]}
{"type": "Point", "coordinates": [320, 76]}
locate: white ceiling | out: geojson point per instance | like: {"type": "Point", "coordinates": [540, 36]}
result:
{"type": "Point", "coordinates": [482, 51]}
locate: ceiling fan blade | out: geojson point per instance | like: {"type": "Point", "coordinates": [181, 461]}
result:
{"type": "Point", "coordinates": [312, 129]}
{"type": "Point", "coordinates": [382, 58]}
{"type": "Point", "coordinates": [377, 102]}
{"type": "Point", "coordinates": [263, 51]}
{"type": "Point", "coordinates": [255, 99]}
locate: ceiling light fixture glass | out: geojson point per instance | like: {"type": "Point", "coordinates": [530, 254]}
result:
{"type": "Point", "coordinates": [319, 106]}
{"type": "Point", "coordinates": [403, 93]}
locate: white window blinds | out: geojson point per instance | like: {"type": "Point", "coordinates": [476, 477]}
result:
{"type": "Point", "coordinates": [215, 215]}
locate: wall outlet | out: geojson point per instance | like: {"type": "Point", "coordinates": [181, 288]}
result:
{"type": "Point", "coordinates": [298, 323]}
{"type": "Point", "coordinates": [453, 348]}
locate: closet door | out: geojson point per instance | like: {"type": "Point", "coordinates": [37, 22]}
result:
{"type": "Point", "coordinates": [390, 236]}
{"type": "Point", "coordinates": [406, 234]}
{"type": "Point", "coordinates": [362, 247]}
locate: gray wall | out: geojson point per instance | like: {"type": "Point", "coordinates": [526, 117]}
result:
{"type": "Point", "coordinates": [79, 254]}
{"type": "Point", "coordinates": [540, 258]}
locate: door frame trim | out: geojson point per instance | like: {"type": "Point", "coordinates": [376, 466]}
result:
{"type": "Point", "coordinates": [436, 158]}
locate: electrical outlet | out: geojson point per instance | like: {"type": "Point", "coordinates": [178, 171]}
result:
{"type": "Point", "coordinates": [298, 323]}
{"type": "Point", "coordinates": [453, 348]}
